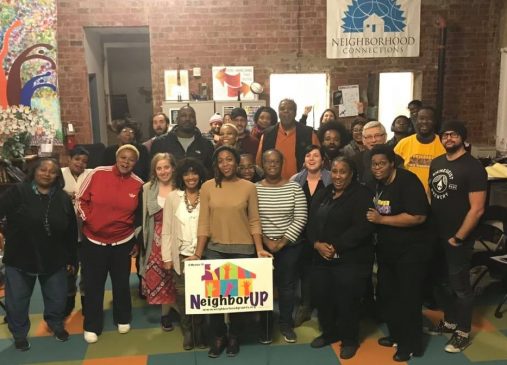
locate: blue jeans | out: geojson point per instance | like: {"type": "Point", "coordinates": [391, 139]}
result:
{"type": "Point", "coordinates": [18, 291]}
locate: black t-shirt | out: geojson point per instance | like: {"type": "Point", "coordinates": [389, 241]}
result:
{"type": "Point", "coordinates": [404, 195]}
{"type": "Point", "coordinates": [450, 183]}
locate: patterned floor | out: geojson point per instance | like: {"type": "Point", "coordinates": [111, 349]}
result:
{"type": "Point", "coordinates": [147, 344]}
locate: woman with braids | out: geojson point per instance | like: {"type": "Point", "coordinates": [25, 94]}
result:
{"type": "Point", "coordinates": [229, 227]}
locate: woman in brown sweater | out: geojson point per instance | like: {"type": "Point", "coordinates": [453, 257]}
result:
{"type": "Point", "coordinates": [229, 227]}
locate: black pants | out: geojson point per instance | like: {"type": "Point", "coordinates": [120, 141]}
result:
{"type": "Point", "coordinates": [99, 261]}
{"type": "Point", "coordinates": [400, 287]}
{"type": "Point", "coordinates": [455, 294]}
{"type": "Point", "coordinates": [236, 320]}
{"type": "Point", "coordinates": [337, 292]}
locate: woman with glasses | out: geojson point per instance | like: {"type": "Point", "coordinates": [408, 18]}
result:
{"type": "Point", "coordinates": [356, 144]}
{"type": "Point", "coordinates": [128, 132]}
{"type": "Point", "coordinates": [248, 170]}
{"type": "Point", "coordinates": [283, 213]}
{"type": "Point", "coordinates": [402, 250]}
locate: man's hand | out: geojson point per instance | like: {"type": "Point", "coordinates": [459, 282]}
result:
{"type": "Point", "coordinates": [307, 110]}
{"type": "Point", "coordinates": [326, 250]}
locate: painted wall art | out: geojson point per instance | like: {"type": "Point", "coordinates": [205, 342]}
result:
{"type": "Point", "coordinates": [29, 100]}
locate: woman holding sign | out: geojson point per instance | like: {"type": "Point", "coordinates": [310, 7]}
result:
{"type": "Point", "coordinates": [228, 228]}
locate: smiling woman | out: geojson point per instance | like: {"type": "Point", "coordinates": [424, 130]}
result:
{"type": "Point", "coordinates": [107, 204]}
{"type": "Point", "coordinates": [46, 251]}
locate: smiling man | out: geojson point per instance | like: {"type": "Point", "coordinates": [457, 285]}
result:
{"type": "Point", "coordinates": [246, 143]}
{"type": "Point", "coordinates": [421, 148]}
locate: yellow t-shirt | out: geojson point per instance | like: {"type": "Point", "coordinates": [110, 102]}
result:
{"type": "Point", "coordinates": [417, 156]}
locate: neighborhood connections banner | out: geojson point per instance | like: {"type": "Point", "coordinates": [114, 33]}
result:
{"type": "Point", "coordinates": [228, 286]}
{"type": "Point", "coordinates": [373, 28]}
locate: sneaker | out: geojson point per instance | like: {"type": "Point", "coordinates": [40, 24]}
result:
{"type": "Point", "coordinates": [217, 347]}
{"type": "Point", "coordinates": [387, 342]}
{"type": "Point", "coordinates": [458, 342]}
{"type": "Point", "coordinates": [289, 335]}
{"type": "Point", "coordinates": [22, 344]}
{"type": "Point", "coordinates": [439, 329]}
{"type": "Point", "coordinates": [303, 314]}
{"type": "Point", "coordinates": [123, 328]}
{"type": "Point", "coordinates": [90, 337]}
{"type": "Point", "coordinates": [166, 324]}
{"type": "Point", "coordinates": [61, 334]}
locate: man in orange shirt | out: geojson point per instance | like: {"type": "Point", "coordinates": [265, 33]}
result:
{"type": "Point", "coordinates": [289, 137]}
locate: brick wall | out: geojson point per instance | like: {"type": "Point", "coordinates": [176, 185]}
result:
{"type": "Point", "coordinates": [286, 36]}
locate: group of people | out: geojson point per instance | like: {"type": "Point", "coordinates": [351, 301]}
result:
{"type": "Point", "coordinates": [324, 205]}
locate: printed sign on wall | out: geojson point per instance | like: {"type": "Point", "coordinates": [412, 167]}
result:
{"type": "Point", "coordinates": [233, 83]}
{"type": "Point", "coordinates": [373, 28]}
{"type": "Point", "coordinates": [228, 286]}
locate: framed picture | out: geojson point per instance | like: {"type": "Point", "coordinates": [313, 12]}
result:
{"type": "Point", "coordinates": [173, 115]}
{"type": "Point", "coordinates": [227, 110]}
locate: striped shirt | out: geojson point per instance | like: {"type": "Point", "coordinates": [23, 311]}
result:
{"type": "Point", "coordinates": [282, 210]}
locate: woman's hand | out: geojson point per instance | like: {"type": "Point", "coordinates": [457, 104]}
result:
{"type": "Point", "coordinates": [373, 216]}
{"type": "Point", "coordinates": [135, 251]}
{"type": "Point", "coordinates": [192, 258]}
{"type": "Point", "coordinates": [263, 254]}
{"type": "Point", "coordinates": [168, 265]}
{"type": "Point", "coordinates": [71, 269]}
{"type": "Point", "coordinates": [326, 250]}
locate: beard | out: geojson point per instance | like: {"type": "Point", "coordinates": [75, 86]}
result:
{"type": "Point", "coordinates": [453, 149]}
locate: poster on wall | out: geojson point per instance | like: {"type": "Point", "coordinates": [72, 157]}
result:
{"type": "Point", "coordinates": [176, 85]}
{"type": "Point", "coordinates": [373, 28]}
{"type": "Point", "coordinates": [348, 99]}
{"type": "Point", "coordinates": [228, 286]}
{"type": "Point", "coordinates": [29, 101]}
{"type": "Point", "coordinates": [232, 82]}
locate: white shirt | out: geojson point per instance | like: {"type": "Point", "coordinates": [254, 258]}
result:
{"type": "Point", "coordinates": [188, 221]}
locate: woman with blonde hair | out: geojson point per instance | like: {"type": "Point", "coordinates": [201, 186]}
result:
{"type": "Point", "coordinates": [228, 135]}
{"type": "Point", "coordinates": [157, 282]}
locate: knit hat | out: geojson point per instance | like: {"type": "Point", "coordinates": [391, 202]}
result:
{"type": "Point", "coordinates": [455, 126]}
{"type": "Point", "coordinates": [216, 118]}
{"type": "Point", "coordinates": [128, 147]}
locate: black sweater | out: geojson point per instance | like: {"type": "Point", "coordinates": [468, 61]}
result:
{"type": "Point", "coordinates": [342, 222]}
{"type": "Point", "coordinates": [27, 244]}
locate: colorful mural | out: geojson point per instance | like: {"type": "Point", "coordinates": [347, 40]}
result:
{"type": "Point", "coordinates": [28, 80]}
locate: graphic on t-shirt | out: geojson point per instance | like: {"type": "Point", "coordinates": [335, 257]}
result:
{"type": "Point", "coordinates": [440, 183]}
{"type": "Point", "coordinates": [420, 161]}
{"type": "Point", "coordinates": [383, 207]}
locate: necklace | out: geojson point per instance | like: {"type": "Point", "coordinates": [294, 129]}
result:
{"type": "Point", "coordinates": [191, 206]}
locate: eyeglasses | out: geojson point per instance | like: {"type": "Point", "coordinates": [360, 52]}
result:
{"type": "Point", "coordinates": [450, 135]}
{"type": "Point", "coordinates": [127, 130]}
{"type": "Point", "coordinates": [374, 136]}
{"type": "Point", "coordinates": [377, 165]}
